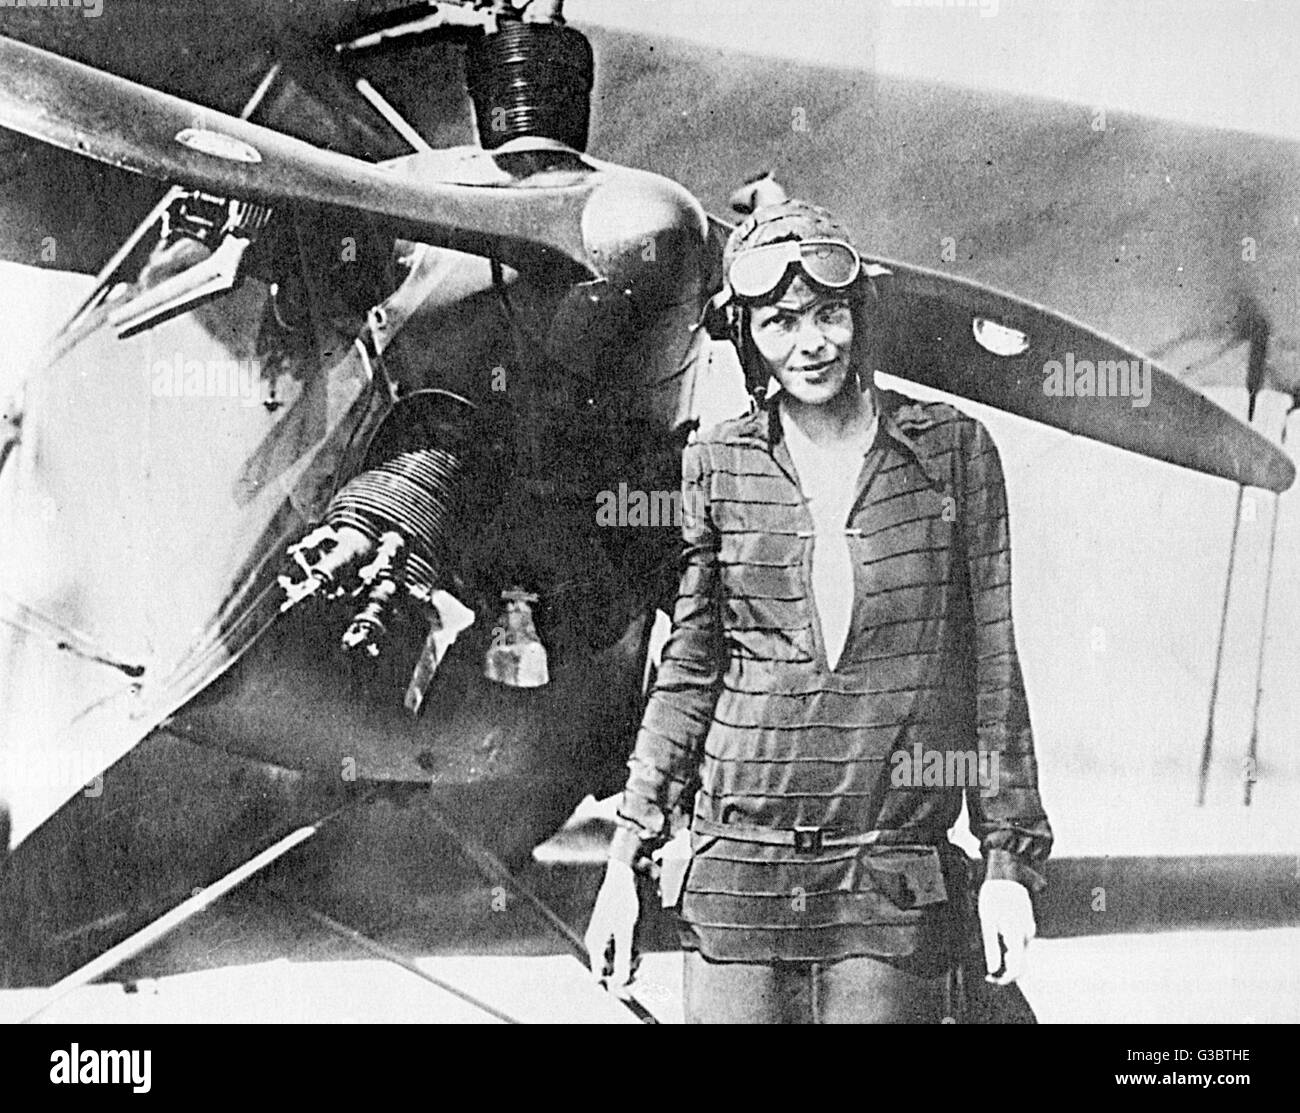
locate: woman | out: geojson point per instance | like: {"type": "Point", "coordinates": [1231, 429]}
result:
{"type": "Point", "coordinates": [841, 670]}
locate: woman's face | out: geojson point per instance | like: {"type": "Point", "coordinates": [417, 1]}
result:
{"type": "Point", "coordinates": [806, 340]}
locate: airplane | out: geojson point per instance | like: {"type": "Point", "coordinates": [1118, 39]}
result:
{"type": "Point", "coordinates": [369, 334]}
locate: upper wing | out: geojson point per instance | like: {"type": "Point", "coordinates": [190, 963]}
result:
{"type": "Point", "coordinates": [1150, 231]}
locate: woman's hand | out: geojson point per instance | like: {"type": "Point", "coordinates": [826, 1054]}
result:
{"type": "Point", "coordinates": [613, 923]}
{"type": "Point", "coordinates": [1007, 924]}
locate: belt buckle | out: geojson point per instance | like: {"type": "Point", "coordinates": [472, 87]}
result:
{"type": "Point", "coordinates": [807, 840]}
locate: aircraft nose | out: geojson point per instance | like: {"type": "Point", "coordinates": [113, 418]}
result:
{"type": "Point", "coordinates": [645, 234]}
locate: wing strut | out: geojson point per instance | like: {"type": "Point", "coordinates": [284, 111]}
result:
{"type": "Point", "coordinates": [1207, 744]}
{"type": "Point", "coordinates": [168, 922]}
{"type": "Point", "coordinates": [1254, 328]}
{"type": "Point", "coordinates": [1253, 750]}
{"type": "Point", "coordinates": [496, 871]}
{"type": "Point", "coordinates": [389, 955]}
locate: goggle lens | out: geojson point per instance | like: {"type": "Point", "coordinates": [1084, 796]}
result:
{"type": "Point", "coordinates": [831, 263]}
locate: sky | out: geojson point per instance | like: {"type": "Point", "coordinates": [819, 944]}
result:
{"type": "Point", "coordinates": [1227, 63]}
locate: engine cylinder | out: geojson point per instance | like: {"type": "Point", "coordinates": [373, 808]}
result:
{"type": "Point", "coordinates": [532, 79]}
{"type": "Point", "coordinates": [415, 494]}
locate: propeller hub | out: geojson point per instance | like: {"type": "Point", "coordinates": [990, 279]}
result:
{"type": "Point", "coordinates": [645, 236]}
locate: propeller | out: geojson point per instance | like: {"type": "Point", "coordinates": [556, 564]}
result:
{"type": "Point", "coordinates": [129, 126]}
{"type": "Point", "coordinates": [973, 341]}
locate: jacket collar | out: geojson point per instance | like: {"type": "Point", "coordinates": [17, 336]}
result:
{"type": "Point", "coordinates": [902, 420]}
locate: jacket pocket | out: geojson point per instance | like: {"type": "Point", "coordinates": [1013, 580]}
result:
{"type": "Point", "coordinates": [673, 889]}
{"type": "Point", "coordinates": [909, 876]}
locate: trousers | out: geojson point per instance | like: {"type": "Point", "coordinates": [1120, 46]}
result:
{"type": "Point", "coordinates": [847, 991]}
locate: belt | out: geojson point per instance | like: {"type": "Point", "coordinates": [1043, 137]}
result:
{"type": "Point", "coordinates": [809, 840]}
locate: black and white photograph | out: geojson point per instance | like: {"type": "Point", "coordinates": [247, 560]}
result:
{"type": "Point", "coordinates": [650, 512]}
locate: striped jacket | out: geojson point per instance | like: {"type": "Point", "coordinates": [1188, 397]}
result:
{"type": "Point", "coordinates": [925, 703]}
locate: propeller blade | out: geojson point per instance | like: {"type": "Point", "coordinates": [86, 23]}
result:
{"type": "Point", "coordinates": [132, 127]}
{"type": "Point", "coordinates": [975, 342]}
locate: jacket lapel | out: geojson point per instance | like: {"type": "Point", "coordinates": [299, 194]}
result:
{"type": "Point", "coordinates": [763, 428]}
{"type": "Point", "coordinates": [895, 426]}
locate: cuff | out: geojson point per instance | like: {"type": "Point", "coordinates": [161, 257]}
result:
{"type": "Point", "coordinates": [626, 845]}
{"type": "Point", "coordinates": [642, 814]}
{"type": "Point", "coordinates": [1002, 865]}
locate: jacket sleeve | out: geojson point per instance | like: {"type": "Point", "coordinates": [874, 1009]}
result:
{"type": "Point", "coordinates": [1006, 816]}
{"type": "Point", "coordinates": [680, 708]}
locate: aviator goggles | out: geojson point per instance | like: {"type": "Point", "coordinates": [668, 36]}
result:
{"type": "Point", "coordinates": [757, 272]}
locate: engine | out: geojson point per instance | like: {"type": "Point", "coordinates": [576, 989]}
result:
{"type": "Point", "coordinates": [388, 541]}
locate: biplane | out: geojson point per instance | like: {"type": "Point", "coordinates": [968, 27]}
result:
{"type": "Point", "coordinates": [356, 313]}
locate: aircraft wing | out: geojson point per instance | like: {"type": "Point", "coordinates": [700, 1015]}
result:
{"type": "Point", "coordinates": [1151, 231]}
{"type": "Point", "coordinates": [143, 527]}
